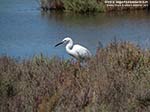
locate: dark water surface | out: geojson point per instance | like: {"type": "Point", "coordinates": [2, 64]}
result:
{"type": "Point", "coordinates": [26, 31]}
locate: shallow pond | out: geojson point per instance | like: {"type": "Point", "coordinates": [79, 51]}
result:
{"type": "Point", "coordinates": [26, 31]}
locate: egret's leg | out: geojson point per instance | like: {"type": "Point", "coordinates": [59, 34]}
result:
{"type": "Point", "coordinates": [79, 64]}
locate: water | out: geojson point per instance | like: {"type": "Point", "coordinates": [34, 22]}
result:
{"type": "Point", "coordinates": [26, 31]}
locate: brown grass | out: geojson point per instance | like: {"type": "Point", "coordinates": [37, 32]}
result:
{"type": "Point", "coordinates": [116, 79]}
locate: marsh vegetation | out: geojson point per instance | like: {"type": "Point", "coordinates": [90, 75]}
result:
{"type": "Point", "coordinates": [86, 6]}
{"type": "Point", "coordinates": [82, 6]}
{"type": "Point", "coordinates": [116, 79]}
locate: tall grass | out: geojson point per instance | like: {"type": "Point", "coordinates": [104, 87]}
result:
{"type": "Point", "coordinates": [81, 6]}
{"type": "Point", "coordinates": [84, 6]}
{"type": "Point", "coordinates": [116, 79]}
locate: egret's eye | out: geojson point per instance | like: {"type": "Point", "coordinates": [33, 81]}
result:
{"type": "Point", "coordinates": [65, 40]}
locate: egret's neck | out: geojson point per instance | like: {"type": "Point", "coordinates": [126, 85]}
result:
{"type": "Point", "coordinates": [69, 46]}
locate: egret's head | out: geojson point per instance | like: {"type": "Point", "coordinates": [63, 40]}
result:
{"type": "Point", "coordinates": [65, 41]}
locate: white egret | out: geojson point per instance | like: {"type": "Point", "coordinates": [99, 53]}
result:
{"type": "Point", "coordinates": [77, 51]}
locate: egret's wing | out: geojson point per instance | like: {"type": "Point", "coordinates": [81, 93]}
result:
{"type": "Point", "coordinates": [81, 51]}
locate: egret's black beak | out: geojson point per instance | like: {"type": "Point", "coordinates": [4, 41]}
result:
{"type": "Point", "coordinates": [59, 44]}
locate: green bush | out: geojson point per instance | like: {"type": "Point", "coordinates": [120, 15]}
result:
{"type": "Point", "coordinates": [83, 6]}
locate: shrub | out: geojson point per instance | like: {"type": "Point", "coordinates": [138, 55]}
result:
{"type": "Point", "coordinates": [116, 79]}
{"type": "Point", "coordinates": [83, 6]}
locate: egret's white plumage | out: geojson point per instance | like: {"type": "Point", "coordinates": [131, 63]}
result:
{"type": "Point", "coordinates": [77, 51]}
